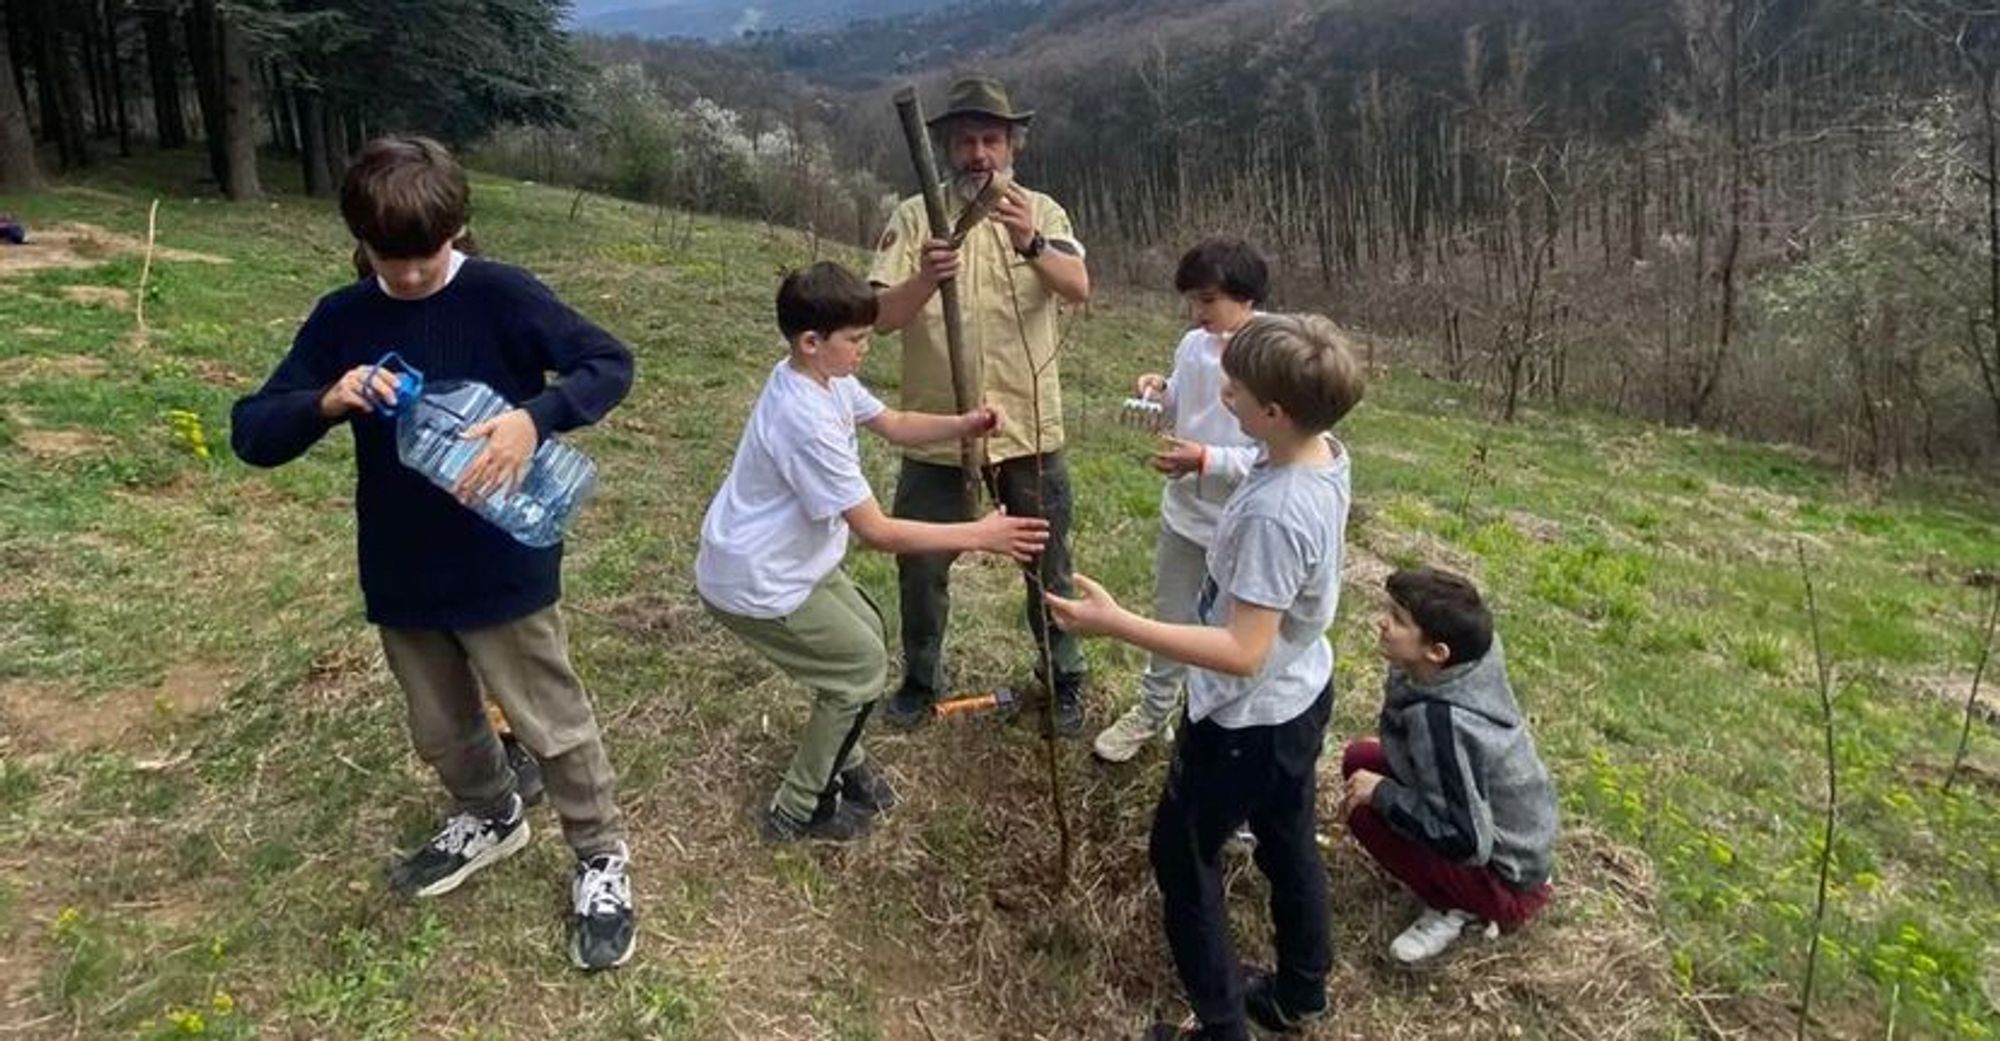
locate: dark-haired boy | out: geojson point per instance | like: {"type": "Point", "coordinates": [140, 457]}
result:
{"type": "Point", "coordinates": [1452, 800]}
{"type": "Point", "coordinates": [458, 602]}
{"type": "Point", "coordinates": [1223, 280]}
{"type": "Point", "coordinates": [771, 545]}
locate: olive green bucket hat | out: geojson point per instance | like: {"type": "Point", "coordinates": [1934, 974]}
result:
{"type": "Point", "coordinates": [979, 97]}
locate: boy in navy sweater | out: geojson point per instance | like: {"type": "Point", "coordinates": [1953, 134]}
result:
{"type": "Point", "coordinates": [458, 602]}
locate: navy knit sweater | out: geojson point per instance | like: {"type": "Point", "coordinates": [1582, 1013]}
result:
{"type": "Point", "coordinates": [428, 562]}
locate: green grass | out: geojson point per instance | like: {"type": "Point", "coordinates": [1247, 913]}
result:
{"type": "Point", "coordinates": [226, 862]}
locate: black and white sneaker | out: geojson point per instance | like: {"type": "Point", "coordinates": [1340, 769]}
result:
{"type": "Point", "coordinates": [467, 844]}
{"type": "Point", "coordinates": [602, 931]}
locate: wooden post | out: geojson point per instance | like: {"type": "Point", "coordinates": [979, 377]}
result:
{"type": "Point", "coordinates": [964, 393]}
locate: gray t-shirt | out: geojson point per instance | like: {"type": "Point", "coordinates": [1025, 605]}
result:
{"type": "Point", "coordinates": [1279, 546]}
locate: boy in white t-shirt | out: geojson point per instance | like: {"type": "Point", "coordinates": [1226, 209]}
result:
{"type": "Point", "coordinates": [771, 545]}
{"type": "Point", "coordinates": [1206, 456]}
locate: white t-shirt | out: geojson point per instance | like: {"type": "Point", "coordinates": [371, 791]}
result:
{"type": "Point", "coordinates": [775, 528]}
{"type": "Point", "coordinates": [453, 263]}
{"type": "Point", "coordinates": [1191, 504]}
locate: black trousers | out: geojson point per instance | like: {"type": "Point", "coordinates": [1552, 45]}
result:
{"type": "Point", "coordinates": [1219, 780]}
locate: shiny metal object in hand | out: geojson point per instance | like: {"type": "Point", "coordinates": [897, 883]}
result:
{"type": "Point", "coordinates": [1144, 413]}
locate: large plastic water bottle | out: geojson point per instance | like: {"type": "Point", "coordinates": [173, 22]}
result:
{"type": "Point", "coordinates": [430, 419]}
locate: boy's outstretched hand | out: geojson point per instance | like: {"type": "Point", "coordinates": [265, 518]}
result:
{"type": "Point", "coordinates": [1178, 456]}
{"type": "Point", "coordinates": [1360, 791]}
{"type": "Point", "coordinates": [939, 262]}
{"type": "Point", "coordinates": [983, 420]}
{"type": "Point", "coordinates": [511, 440]}
{"type": "Point", "coordinates": [1090, 614]}
{"type": "Point", "coordinates": [1151, 386]}
{"type": "Point", "coordinates": [1018, 537]}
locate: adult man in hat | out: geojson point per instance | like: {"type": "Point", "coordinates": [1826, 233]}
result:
{"type": "Point", "coordinates": [1013, 271]}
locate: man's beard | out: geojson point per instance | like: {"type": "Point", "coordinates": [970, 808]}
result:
{"type": "Point", "coordinates": [968, 184]}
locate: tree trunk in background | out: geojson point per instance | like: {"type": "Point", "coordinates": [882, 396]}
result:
{"type": "Point", "coordinates": [18, 172]}
{"type": "Point", "coordinates": [170, 123]}
{"type": "Point", "coordinates": [55, 83]}
{"type": "Point", "coordinates": [69, 90]}
{"type": "Point", "coordinates": [202, 54]}
{"type": "Point", "coordinates": [312, 141]}
{"type": "Point", "coordinates": [239, 112]}
{"type": "Point", "coordinates": [114, 13]}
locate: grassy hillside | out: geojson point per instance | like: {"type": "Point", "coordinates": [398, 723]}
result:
{"type": "Point", "coordinates": [203, 768]}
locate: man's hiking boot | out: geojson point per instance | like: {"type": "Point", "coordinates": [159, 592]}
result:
{"type": "Point", "coordinates": [846, 822]}
{"type": "Point", "coordinates": [908, 707]}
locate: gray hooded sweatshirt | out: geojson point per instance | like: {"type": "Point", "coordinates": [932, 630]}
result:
{"type": "Point", "coordinates": [1468, 784]}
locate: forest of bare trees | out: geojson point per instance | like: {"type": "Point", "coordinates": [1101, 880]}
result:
{"type": "Point", "coordinates": [1775, 218]}
{"type": "Point", "coordinates": [1769, 217]}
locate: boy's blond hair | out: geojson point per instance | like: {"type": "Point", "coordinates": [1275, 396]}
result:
{"type": "Point", "coordinates": [1301, 363]}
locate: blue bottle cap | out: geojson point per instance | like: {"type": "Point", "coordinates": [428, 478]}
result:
{"type": "Point", "coordinates": [409, 384]}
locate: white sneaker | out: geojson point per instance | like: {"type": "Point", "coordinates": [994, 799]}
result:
{"type": "Point", "coordinates": [1122, 740]}
{"type": "Point", "coordinates": [1429, 935]}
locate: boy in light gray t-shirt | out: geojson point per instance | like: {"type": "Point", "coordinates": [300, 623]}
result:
{"type": "Point", "coordinates": [1261, 688]}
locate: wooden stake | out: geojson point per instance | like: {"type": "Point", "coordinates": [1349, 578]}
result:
{"type": "Point", "coordinates": [964, 391]}
{"type": "Point", "coordinates": [146, 268]}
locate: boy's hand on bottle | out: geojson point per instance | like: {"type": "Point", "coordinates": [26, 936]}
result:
{"type": "Point", "coordinates": [939, 263]}
{"type": "Point", "coordinates": [1091, 613]}
{"type": "Point", "coordinates": [1178, 456]}
{"type": "Point", "coordinates": [1360, 791]}
{"type": "Point", "coordinates": [1151, 386]}
{"type": "Point", "coordinates": [511, 440]}
{"type": "Point", "coordinates": [1018, 537]}
{"type": "Point", "coordinates": [983, 420]}
{"type": "Point", "coordinates": [352, 391]}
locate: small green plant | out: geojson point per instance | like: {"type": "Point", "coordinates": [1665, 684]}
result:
{"type": "Point", "coordinates": [90, 963]}
{"type": "Point", "coordinates": [187, 432]}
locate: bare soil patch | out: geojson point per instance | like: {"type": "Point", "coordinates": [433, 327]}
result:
{"type": "Point", "coordinates": [53, 717]}
{"type": "Point", "coordinates": [77, 245]}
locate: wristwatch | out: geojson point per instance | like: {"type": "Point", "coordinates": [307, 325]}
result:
{"type": "Point", "coordinates": [1034, 247]}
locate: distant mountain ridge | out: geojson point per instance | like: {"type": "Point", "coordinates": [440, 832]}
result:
{"type": "Point", "coordinates": [719, 20]}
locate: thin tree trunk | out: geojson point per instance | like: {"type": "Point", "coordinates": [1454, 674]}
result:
{"type": "Point", "coordinates": [200, 27]}
{"type": "Point", "coordinates": [69, 96]}
{"type": "Point", "coordinates": [18, 171]}
{"type": "Point", "coordinates": [114, 13]}
{"type": "Point", "coordinates": [34, 16]}
{"type": "Point", "coordinates": [55, 79]}
{"type": "Point", "coordinates": [90, 49]}
{"type": "Point", "coordinates": [312, 141]}
{"type": "Point", "coordinates": [1989, 367]}
{"type": "Point", "coordinates": [16, 15]}
{"type": "Point", "coordinates": [169, 122]}
{"type": "Point", "coordinates": [1710, 376]}
{"type": "Point", "coordinates": [239, 112]}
